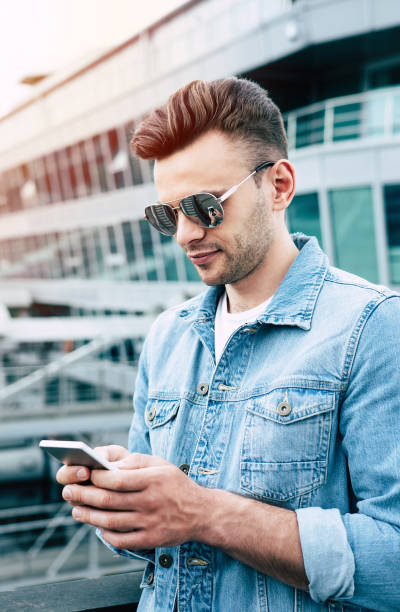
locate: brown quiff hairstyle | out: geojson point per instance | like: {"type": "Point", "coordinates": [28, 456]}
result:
{"type": "Point", "coordinates": [239, 108]}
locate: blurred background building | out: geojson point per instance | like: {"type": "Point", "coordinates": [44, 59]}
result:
{"type": "Point", "coordinates": [82, 274]}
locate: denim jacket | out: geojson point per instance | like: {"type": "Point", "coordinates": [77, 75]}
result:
{"type": "Point", "coordinates": [302, 411]}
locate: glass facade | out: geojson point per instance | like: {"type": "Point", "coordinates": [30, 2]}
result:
{"type": "Point", "coordinates": [99, 164]}
{"type": "Point", "coordinates": [303, 215]}
{"type": "Point", "coordinates": [392, 209]}
{"type": "Point", "coordinates": [353, 231]}
{"type": "Point", "coordinates": [130, 250]}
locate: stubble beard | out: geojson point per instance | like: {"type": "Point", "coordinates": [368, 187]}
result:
{"type": "Point", "coordinates": [248, 251]}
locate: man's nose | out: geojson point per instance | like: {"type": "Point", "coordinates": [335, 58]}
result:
{"type": "Point", "coordinates": [188, 230]}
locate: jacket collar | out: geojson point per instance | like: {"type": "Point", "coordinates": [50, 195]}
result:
{"type": "Point", "coordinates": [294, 301]}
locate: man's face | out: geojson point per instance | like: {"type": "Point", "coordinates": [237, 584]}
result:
{"type": "Point", "coordinates": [236, 248]}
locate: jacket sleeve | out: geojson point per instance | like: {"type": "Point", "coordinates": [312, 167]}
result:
{"type": "Point", "coordinates": [138, 442]}
{"type": "Point", "coordinates": [138, 434]}
{"type": "Point", "coordinates": [356, 556]}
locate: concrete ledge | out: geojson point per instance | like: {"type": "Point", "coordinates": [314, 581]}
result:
{"type": "Point", "coordinates": [86, 595]}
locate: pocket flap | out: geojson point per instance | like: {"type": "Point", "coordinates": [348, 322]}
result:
{"type": "Point", "coordinates": [159, 412]}
{"type": "Point", "coordinates": [287, 405]}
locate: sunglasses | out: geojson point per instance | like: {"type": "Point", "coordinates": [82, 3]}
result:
{"type": "Point", "coordinates": [204, 209]}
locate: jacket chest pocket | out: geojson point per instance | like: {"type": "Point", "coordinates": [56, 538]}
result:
{"type": "Point", "coordinates": [285, 444]}
{"type": "Point", "coordinates": [160, 417]}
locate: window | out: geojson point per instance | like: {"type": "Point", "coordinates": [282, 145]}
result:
{"type": "Point", "coordinates": [3, 196]}
{"type": "Point", "coordinates": [128, 241]}
{"type": "Point", "coordinates": [303, 215]}
{"type": "Point", "coordinates": [392, 210]}
{"type": "Point", "coordinates": [310, 129]}
{"type": "Point", "coordinates": [136, 171]}
{"type": "Point", "coordinates": [384, 76]}
{"type": "Point", "coordinates": [98, 247]}
{"type": "Point", "coordinates": [63, 166]}
{"type": "Point", "coordinates": [85, 167]}
{"type": "Point", "coordinates": [13, 190]}
{"type": "Point", "coordinates": [130, 249]}
{"type": "Point", "coordinates": [77, 169]}
{"type": "Point", "coordinates": [396, 114]}
{"type": "Point", "coordinates": [148, 250]}
{"type": "Point", "coordinates": [347, 120]}
{"type": "Point", "coordinates": [375, 111]}
{"type": "Point", "coordinates": [119, 159]}
{"type": "Point", "coordinates": [53, 178]}
{"type": "Point", "coordinates": [112, 241]}
{"type": "Point", "coordinates": [353, 231]}
{"type": "Point", "coordinates": [100, 164]}
{"type": "Point", "coordinates": [85, 253]}
{"type": "Point", "coordinates": [169, 246]}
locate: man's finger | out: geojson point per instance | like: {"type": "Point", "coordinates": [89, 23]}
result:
{"type": "Point", "coordinates": [69, 474]}
{"type": "Point", "coordinates": [76, 494]}
{"type": "Point", "coordinates": [104, 499]}
{"type": "Point", "coordinates": [135, 461]}
{"type": "Point", "coordinates": [115, 521]}
{"type": "Point", "coordinates": [139, 540]}
{"type": "Point", "coordinates": [130, 479]}
{"type": "Point", "coordinates": [112, 452]}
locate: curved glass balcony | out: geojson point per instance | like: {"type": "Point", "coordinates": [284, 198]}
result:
{"type": "Point", "coordinates": [371, 114]}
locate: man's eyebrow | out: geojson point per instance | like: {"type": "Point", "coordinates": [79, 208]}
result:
{"type": "Point", "coordinates": [216, 192]}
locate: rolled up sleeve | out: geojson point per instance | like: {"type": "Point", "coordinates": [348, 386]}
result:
{"type": "Point", "coordinates": [328, 557]}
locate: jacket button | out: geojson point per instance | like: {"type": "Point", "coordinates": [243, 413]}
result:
{"type": "Point", "coordinates": [150, 579]}
{"type": "Point", "coordinates": [152, 413]}
{"type": "Point", "coordinates": [185, 468]}
{"type": "Point", "coordinates": [165, 560]}
{"type": "Point", "coordinates": [202, 388]}
{"type": "Point", "coordinates": [284, 408]}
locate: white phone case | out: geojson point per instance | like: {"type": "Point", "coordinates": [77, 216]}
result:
{"type": "Point", "coordinates": [75, 453]}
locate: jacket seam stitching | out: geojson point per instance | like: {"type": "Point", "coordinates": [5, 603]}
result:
{"type": "Point", "coordinates": [356, 336]}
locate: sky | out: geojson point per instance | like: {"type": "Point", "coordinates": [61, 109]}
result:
{"type": "Point", "coordinates": [43, 36]}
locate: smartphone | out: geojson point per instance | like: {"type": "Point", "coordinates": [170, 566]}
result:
{"type": "Point", "coordinates": [75, 453]}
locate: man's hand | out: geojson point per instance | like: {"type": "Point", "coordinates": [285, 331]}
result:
{"type": "Point", "coordinates": [146, 502]}
{"type": "Point", "coordinates": [70, 474]}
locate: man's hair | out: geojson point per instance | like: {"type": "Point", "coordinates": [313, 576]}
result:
{"type": "Point", "coordinates": [238, 108]}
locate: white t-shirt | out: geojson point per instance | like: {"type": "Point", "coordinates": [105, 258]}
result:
{"type": "Point", "coordinates": [226, 323]}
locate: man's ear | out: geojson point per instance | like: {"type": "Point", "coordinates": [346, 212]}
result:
{"type": "Point", "coordinates": [284, 182]}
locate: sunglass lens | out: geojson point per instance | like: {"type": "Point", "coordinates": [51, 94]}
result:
{"type": "Point", "coordinates": [162, 217]}
{"type": "Point", "coordinates": [203, 209]}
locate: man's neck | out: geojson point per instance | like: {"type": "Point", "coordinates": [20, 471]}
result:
{"type": "Point", "coordinates": [264, 281]}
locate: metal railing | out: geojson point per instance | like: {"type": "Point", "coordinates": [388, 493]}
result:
{"type": "Point", "coordinates": [43, 543]}
{"type": "Point", "coordinates": [370, 114]}
{"type": "Point", "coordinates": [95, 386]}
{"type": "Point", "coordinates": [73, 382]}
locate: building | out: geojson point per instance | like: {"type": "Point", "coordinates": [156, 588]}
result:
{"type": "Point", "coordinates": [73, 241]}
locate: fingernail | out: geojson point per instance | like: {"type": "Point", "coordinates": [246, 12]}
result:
{"type": "Point", "coordinates": [82, 474]}
{"type": "Point", "coordinates": [76, 513]}
{"type": "Point", "coordinates": [67, 493]}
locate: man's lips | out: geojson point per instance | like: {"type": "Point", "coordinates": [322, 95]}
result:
{"type": "Point", "coordinates": [203, 257]}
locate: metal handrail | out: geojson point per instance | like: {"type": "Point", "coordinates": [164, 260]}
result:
{"type": "Point", "coordinates": [53, 559]}
{"type": "Point", "coordinates": [339, 118]}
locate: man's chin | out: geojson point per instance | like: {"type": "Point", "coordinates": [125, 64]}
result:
{"type": "Point", "coordinates": [211, 280]}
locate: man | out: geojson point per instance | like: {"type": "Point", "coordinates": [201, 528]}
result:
{"type": "Point", "coordinates": [276, 391]}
